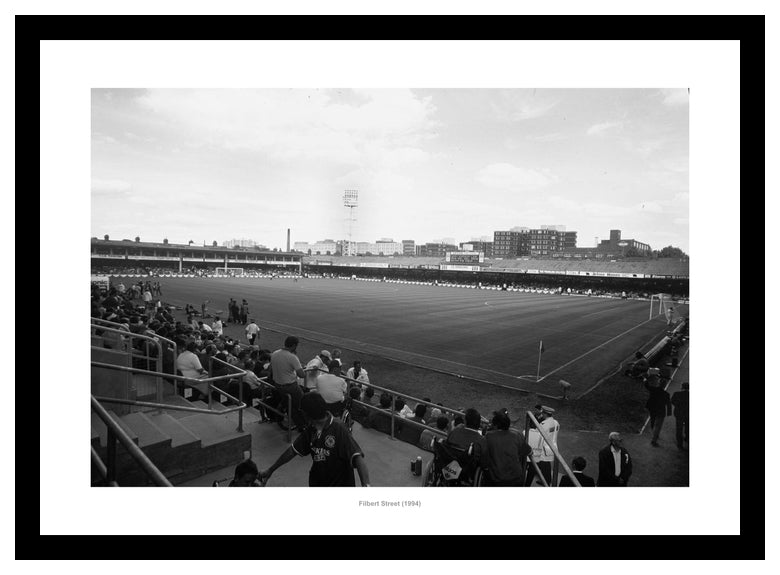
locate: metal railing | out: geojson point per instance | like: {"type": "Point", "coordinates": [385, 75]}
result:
{"type": "Point", "coordinates": [114, 434]}
{"type": "Point", "coordinates": [558, 460]}
{"type": "Point", "coordinates": [392, 412]}
{"type": "Point", "coordinates": [192, 382]}
{"type": "Point", "coordinates": [265, 384]}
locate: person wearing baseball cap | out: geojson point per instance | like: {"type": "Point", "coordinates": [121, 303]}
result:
{"type": "Point", "coordinates": [333, 450]}
{"type": "Point", "coordinates": [318, 364]}
{"type": "Point", "coordinates": [543, 454]}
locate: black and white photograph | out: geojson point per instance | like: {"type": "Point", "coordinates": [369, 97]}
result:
{"type": "Point", "coordinates": [402, 269]}
{"type": "Point", "coordinates": [390, 287]}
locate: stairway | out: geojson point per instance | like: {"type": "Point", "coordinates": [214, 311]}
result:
{"type": "Point", "coordinates": [181, 444]}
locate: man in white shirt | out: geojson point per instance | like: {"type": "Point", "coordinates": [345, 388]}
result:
{"type": "Point", "coordinates": [252, 331]}
{"type": "Point", "coordinates": [204, 327]}
{"type": "Point", "coordinates": [315, 368]}
{"type": "Point", "coordinates": [333, 389]}
{"type": "Point", "coordinates": [357, 373]}
{"type": "Point", "coordinates": [542, 453]}
{"type": "Point", "coordinates": [189, 366]}
{"type": "Point", "coordinates": [217, 326]}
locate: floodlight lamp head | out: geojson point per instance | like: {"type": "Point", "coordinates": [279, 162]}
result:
{"type": "Point", "coordinates": [350, 198]}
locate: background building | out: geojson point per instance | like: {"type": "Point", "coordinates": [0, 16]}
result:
{"type": "Point", "coordinates": [478, 246]}
{"type": "Point", "coordinates": [408, 247]}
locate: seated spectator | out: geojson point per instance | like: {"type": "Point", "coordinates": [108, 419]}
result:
{"type": "Point", "coordinates": [403, 409]}
{"type": "Point", "coordinates": [245, 475]}
{"type": "Point", "coordinates": [189, 365]}
{"type": "Point", "coordinates": [463, 436]}
{"type": "Point", "coordinates": [427, 436]}
{"type": "Point", "coordinates": [639, 367]}
{"type": "Point", "coordinates": [359, 412]}
{"type": "Point", "coordinates": [411, 433]}
{"type": "Point", "coordinates": [368, 396]}
{"type": "Point", "coordinates": [457, 421]}
{"type": "Point", "coordinates": [380, 419]}
{"type": "Point", "coordinates": [336, 357]}
{"type": "Point", "coordinates": [506, 453]}
{"type": "Point", "coordinates": [333, 389]}
{"type": "Point", "coordinates": [578, 465]}
{"type": "Point", "coordinates": [357, 373]}
{"type": "Point", "coordinates": [316, 366]}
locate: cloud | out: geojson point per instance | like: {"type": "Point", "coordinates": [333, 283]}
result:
{"type": "Point", "coordinates": [110, 188]}
{"type": "Point", "coordinates": [293, 125]}
{"type": "Point", "coordinates": [675, 96]}
{"type": "Point", "coordinates": [104, 138]}
{"type": "Point", "coordinates": [598, 129]}
{"type": "Point", "coordinates": [508, 177]}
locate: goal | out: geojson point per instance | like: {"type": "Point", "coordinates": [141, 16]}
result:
{"type": "Point", "coordinates": [659, 304]}
{"type": "Point", "coordinates": [229, 272]}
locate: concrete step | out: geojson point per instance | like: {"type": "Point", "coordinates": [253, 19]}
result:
{"type": "Point", "coordinates": [149, 435]}
{"type": "Point", "coordinates": [211, 429]}
{"type": "Point", "coordinates": [180, 401]}
{"type": "Point", "coordinates": [100, 427]}
{"type": "Point", "coordinates": [179, 434]}
{"type": "Point", "coordinates": [95, 437]}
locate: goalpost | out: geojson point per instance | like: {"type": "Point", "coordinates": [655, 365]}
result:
{"type": "Point", "coordinates": [229, 272]}
{"type": "Point", "coordinates": [659, 304]}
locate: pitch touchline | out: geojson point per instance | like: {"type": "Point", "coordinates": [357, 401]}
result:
{"type": "Point", "coordinates": [595, 348]}
{"type": "Point", "coordinates": [619, 367]}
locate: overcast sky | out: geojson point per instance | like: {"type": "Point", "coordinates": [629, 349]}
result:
{"type": "Point", "coordinates": [207, 165]}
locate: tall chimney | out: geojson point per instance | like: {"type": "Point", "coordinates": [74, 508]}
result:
{"type": "Point", "coordinates": [288, 239]}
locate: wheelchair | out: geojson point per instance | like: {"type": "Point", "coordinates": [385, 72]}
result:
{"type": "Point", "coordinates": [452, 467]}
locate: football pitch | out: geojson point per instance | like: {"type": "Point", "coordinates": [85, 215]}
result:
{"type": "Point", "coordinates": [482, 335]}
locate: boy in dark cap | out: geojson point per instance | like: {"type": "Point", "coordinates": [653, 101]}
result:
{"type": "Point", "coordinates": [333, 450]}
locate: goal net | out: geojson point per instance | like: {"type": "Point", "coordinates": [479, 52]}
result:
{"type": "Point", "coordinates": [661, 304]}
{"type": "Point", "coordinates": [229, 272]}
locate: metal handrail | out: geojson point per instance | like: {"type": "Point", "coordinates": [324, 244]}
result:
{"type": "Point", "coordinates": [116, 433]}
{"type": "Point", "coordinates": [186, 380]}
{"type": "Point", "coordinates": [393, 395]}
{"type": "Point", "coordinates": [241, 373]}
{"type": "Point", "coordinates": [530, 418]}
{"type": "Point", "coordinates": [265, 384]}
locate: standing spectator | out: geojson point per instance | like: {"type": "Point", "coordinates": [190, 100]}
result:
{"type": "Point", "coordinates": [357, 373]}
{"type": "Point", "coordinates": [203, 308]}
{"type": "Point", "coordinates": [217, 326]}
{"type": "Point", "coordinates": [680, 402]}
{"type": "Point", "coordinates": [615, 463]}
{"type": "Point", "coordinates": [285, 370]}
{"type": "Point", "coordinates": [336, 356]}
{"type": "Point", "coordinates": [506, 452]}
{"type": "Point", "coordinates": [244, 313]}
{"type": "Point", "coordinates": [658, 404]}
{"type": "Point", "coordinates": [670, 313]}
{"type": "Point", "coordinates": [579, 464]}
{"type": "Point", "coordinates": [333, 389]}
{"type": "Point", "coordinates": [148, 299]}
{"type": "Point", "coordinates": [317, 365]}
{"type": "Point", "coordinates": [333, 450]}
{"type": "Point", "coordinates": [542, 453]}
{"type": "Point", "coordinates": [252, 332]}
{"type": "Point", "coordinates": [231, 311]}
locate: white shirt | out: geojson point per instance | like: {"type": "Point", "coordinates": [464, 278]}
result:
{"type": "Point", "coordinates": [147, 296]}
{"type": "Point", "coordinates": [616, 456]}
{"type": "Point", "coordinates": [362, 376]}
{"type": "Point", "coordinates": [189, 364]}
{"type": "Point", "coordinates": [251, 329]}
{"type": "Point", "coordinates": [311, 376]}
{"type": "Point", "coordinates": [217, 326]}
{"type": "Point", "coordinates": [205, 327]}
{"type": "Point", "coordinates": [542, 451]}
{"type": "Point", "coordinates": [332, 388]}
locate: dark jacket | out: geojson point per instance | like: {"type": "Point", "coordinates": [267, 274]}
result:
{"type": "Point", "coordinates": [585, 480]}
{"type": "Point", "coordinates": [659, 403]}
{"type": "Point", "coordinates": [680, 403]}
{"type": "Point", "coordinates": [607, 468]}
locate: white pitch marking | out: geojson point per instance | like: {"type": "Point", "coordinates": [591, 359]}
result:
{"type": "Point", "coordinates": [594, 349]}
